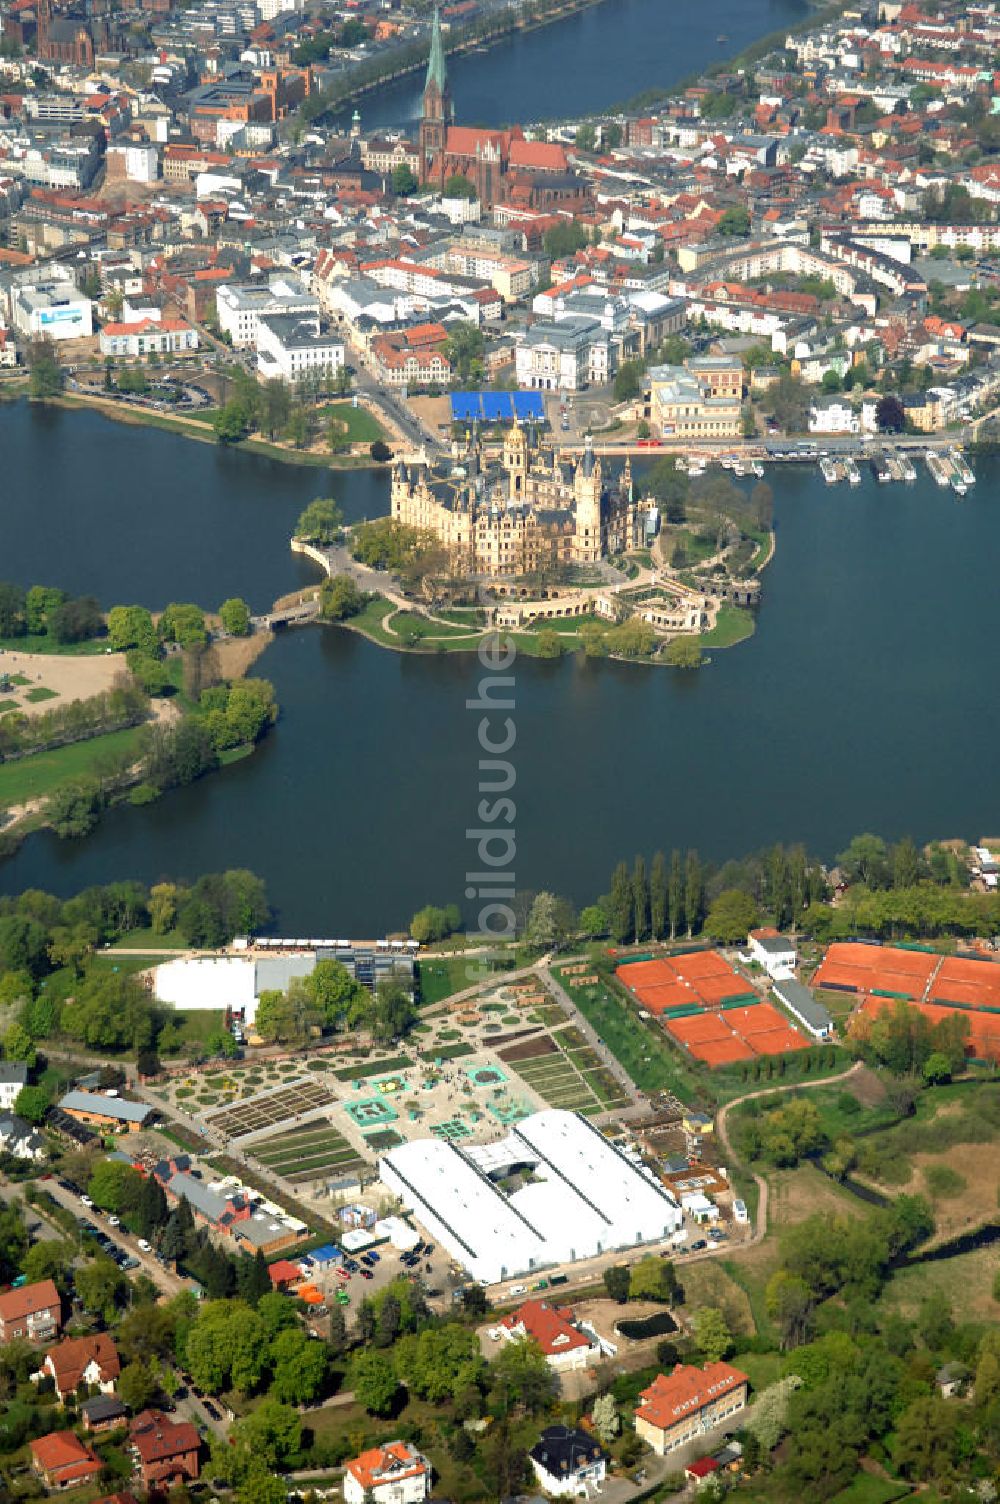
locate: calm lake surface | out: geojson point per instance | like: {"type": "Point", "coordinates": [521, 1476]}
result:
{"type": "Point", "coordinates": [597, 58]}
{"type": "Point", "coordinates": [867, 699]}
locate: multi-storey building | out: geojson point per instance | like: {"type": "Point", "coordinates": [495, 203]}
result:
{"type": "Point", "coordinates": [681, 1407]}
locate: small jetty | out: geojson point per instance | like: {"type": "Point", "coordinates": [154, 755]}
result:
{"type": "Point", "coordinates": [880, 469]}
{"type": "Point", "coordinates": [853, 473]}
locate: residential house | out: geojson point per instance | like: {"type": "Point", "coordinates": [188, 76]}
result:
{"type": "Point", "coordinates": [33, 1312]}
{"type": "Point", "coordinates": [565, 1346]}
{"type": "Point", "coordinates": [835, 415]}
{"type": "Point", "coordinates": [19, 1139]}
{"type": "Point", "coordinates": [395, 1473]}
{"type": "Point", "coordinates": [103, 1413]}
{"type": "Point", "coordinates": [13, 1075]}
{"type": "Point", "coordinates": [82, 1360]}
{"type": "Point", "coordinates": [106, 1112]}
{"type": "Point", "coordinates": [62, 1461]}
{"type": "Point", "coordinates": [682, 1406]}
{"type": "Point", "coordinates": [567, 1462]}
{"type": "Point", "coordinates": [952, 1379]}
{"type": "Point", "coordinates": [164, 1449]}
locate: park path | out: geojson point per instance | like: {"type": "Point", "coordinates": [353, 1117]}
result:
{"type": "Point", "coordinates": [722, 1128]}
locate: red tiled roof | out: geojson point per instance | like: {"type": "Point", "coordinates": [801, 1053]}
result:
{"type": "Point", "coordinates": [686, 1391]}
{"type": "Point", "coordinates": [551, 1326]}
{"type": "Point", "coordinates": [397, 1459]}
{"type": "Point", "coordinates": [63, 1453]}
{"type": "Point", "coordinates": [155, 1436]}
{"type": "Point", "coordinates": [29, 1300]}
{"type": "Point", "coordinates": [70, 1359]}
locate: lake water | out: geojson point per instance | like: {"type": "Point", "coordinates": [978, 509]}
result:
{"type": "Point", "coordinates": [866, 700]}
{"type": "Point", "coordinates": [599, 57]}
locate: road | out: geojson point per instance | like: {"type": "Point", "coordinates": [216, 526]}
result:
{"type": "Point", "coordinates": [166, 1280]}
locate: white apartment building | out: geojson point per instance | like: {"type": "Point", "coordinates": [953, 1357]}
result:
{"type": "Point", "coordinates": [290, 347]}
{"type": "Point", "coordinates": [239, 306]}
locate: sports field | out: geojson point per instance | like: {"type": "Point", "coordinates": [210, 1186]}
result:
{"type": "Point", "coordinates": [314, 1151]}
{"type": "Point", "coordinates": [735, 1034]}
{"type": "Point", "coordinates": [565, 1072]}
{"type": "Point", "coordinates": [702, 979]}
{"type": "Point", "coordinates": [269, 1108]}
{"type": "Point", "coordinates": [937, 986]}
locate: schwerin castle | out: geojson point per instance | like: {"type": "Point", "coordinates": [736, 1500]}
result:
{"type": "Point", "coordinates": [531, 512]}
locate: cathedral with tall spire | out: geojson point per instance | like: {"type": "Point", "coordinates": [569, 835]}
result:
{"type": "Point", "coordinates": [438, 113]}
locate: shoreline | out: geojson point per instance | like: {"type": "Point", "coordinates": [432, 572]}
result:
{"type": "Point", "coordinates": [202, 433]}
{"type": "Point", "coordinates": [464, 45]}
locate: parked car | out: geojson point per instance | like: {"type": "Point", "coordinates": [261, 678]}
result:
{"type": "Point", "coordinates": [366, 1274]}
{"type": "Point", "coordinates": [699, 1244]}
{"type": "Point", "coordinates": [144, 1247]}
{"type": "Point", "coordinates": [213, 1410]}
{"type": "Point", "coordinates": [86, 1201]}
{"type": "Point", "coordinates": [114, 1221]}
{"type": "Point", "coordinates": [373, 1257]}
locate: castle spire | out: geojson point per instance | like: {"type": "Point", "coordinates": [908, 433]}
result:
{"type": "Point", "coordinates": [436, 73]}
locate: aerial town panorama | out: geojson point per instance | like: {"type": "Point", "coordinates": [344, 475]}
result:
{"type": "Point", "coordinates": [499, 924]}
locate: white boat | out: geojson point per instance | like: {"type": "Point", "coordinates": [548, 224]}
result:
{"type": "Point", "coordinates": [853, 473]}
{"type": "Point", "coordinates": [758, 469]}
{"type": "Point", "coordinates": [907, 466]}
{"type": "Point", "coordinates": [828, 470]}
{"type": "Point", "coordinates": [958, 486]}
{"type": "Point", "coordinates": [940, 470]}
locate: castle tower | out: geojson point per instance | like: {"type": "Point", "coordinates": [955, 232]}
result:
{"type": "Point", "coordinates": [515, 460]}
{"type": "Point", "coordinates": [438, 112]}
{"type": "Point", "coordinates": [587, 484]}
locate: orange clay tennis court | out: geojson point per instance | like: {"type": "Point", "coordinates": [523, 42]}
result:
{"type": "Point", "coordinates": [983, 1039]}
{"type": "Point", "coordinates": [736, 1034]}
{"type": "Point", "coordinates": [851, 967]}
{"type": "Point", "coordinates": [700, 979]}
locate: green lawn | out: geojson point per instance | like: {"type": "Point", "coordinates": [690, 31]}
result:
{"type": "Point", "coordinates": [444, 975]}
{"type": "Point", "coordinates": [46, 644]}
{"type": "Point", "coordinates": [362, 1071]}
{"type": "Point", "coordinates": [641, 1048]}
{"type": "Point", "coordinates": [36, 776]}
{"type": "Point", "coordinates": [869, 1488]}
{"type": "Point", "coordinates": [734, 624]}
{"type": "Point", "coordinates": [362, 427]}
{"type": "Point", "coordinates": [39, 693]}
{"type": "Point", "coordinates": [136, 939]}
{"type": "Point", "coordinates": [6, 705]}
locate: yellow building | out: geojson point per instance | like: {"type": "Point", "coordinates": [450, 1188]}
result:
{"type": "Point", "coordinates": [700, 401]}
{"type": "Point", "coordinates": [531, 512]}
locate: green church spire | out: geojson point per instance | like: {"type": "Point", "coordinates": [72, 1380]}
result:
{"type": "Point", "coordinates": [435, 63]}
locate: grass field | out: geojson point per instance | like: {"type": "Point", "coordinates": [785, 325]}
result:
{"type": "Point", "coordinates": [733, 624]}
{"type": "Point", "coordinates": [445, 975]}
{"type": "Point", "coordinates": [39, 693]}
{"type": "Point", "coordinates": [48, 645]}
{"type": "Point", "coordinates": [651, 1063]}
{"type": "Point", "coordinates": [361, 1071]}
{"type": "Point", "coordinates": [307, 1153]}
{"type": "Point", "coordinates": [136, 939]}
{"type": "Point", "coordinates": [360, 425]}
{"type": "Point", "coordinates": [793, 1196]}
{"type": "Point", "coordinates": [36, 776]}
